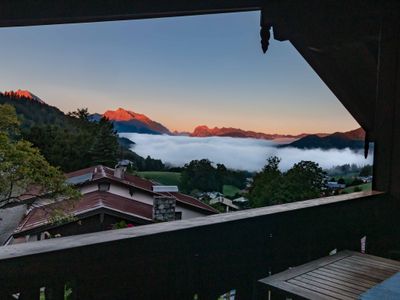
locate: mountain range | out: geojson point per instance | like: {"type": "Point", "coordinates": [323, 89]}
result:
{"type": "Point", "coordinates": [130, 121]}
{"type": "Point", "coordinates": [205, 131]}
{"type": "Point", "coordinates": [353, 139]}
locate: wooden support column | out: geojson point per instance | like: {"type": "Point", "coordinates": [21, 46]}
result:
{"type": "Point", "coordinates": [30, 293]}
{"type": "Point", "coordinates": [387, 110]}
{"type": "Point", "coordinates": [55, 292]}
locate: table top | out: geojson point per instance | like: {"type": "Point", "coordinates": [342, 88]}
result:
{"type": "Point", "coordinates": [345, 275]}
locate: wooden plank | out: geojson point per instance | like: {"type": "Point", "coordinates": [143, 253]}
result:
{"type": "Point", "coordinates": [359, 267]}
{"type": "Point", "coordinates": [373, 277]}
{"type": "Point", "coordinates": [296, 271]}
{"type": "Point", "coordinates": [296, 291]}
{"type": "Point", "coordinates": [351, 279]}
{"type": "Point", "coordinates": [387, 261]}
{"type": "Point", "coordinates": [340, 284]}
{"type": "Point", "coordinates": [326, 286]}
{"type": "Point", "coordinates": [345, 275]}
{"type": "Point", "coordinates": [388, 290]}
{"type": "Point", "coordinates": [377, 277]}
{"type": "Point", "coordinates": [367, 265]}
{"type": "Point", "coordinates": [374, 263]}
{"type": "Point", "coordinates": [321, 290]}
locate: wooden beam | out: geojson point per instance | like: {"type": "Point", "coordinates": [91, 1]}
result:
{"type": "Point", "coordinates": [387, 114]}
{"type": "Point", "coordinates": [44, 12]}
{"type": "Point", "coordinates": [329, 23]}
{"type": "Point", "coordinates": [350, 75]}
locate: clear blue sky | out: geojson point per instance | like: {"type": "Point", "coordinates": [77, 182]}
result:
{"type": "Point", "coordinates": [182, 72]}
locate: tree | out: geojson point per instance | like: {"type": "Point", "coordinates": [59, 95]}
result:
{"type": "Point", "coordinates": [78, 144]}
{"type": "Point", "coordinates": [267, 185]}
{"type": "Point", "coordinates": [9, 123]}
{"type": "Point", "coordinates": [24, 171]}
{"type": "Point", "coordinates": [104, 150]}
{"type": "Point", "coordinates": [200, 175]}
{"type": "Point", "coordinates": [366, 171]}
{"type": "Point", "coordinates": [80, 113]}
{"type": "Point", "coordinates": [305, 180]}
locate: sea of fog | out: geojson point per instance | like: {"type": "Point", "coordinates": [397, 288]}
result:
{"type": "Point", "coordinates": [236, 153]}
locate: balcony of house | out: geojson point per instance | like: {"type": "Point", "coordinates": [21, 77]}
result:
{"type": "Point", "coordinates": [200, 258]}
{"type": "Point", "coordinates": [354, 48]}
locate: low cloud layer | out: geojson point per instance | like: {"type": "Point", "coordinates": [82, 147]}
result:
{"type": "Point", "coordinates": [236, 153]}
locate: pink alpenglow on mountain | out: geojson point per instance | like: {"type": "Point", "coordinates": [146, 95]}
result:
{"type": "Point", "coordinates": [23, 94]}
{"type": "Point", "coordinates": [126, 117]}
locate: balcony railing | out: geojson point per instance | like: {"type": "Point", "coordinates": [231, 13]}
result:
{"type": "Point", "coordinates": [205, 256]}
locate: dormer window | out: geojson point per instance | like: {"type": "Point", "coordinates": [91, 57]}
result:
{"type": "Point", "coordinates": [178, 215]}
{"type": "Point", "coordinates": [104, 186]}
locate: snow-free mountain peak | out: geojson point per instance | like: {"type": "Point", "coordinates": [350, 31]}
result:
{"type": "Point", "coordinates": [24, 94]}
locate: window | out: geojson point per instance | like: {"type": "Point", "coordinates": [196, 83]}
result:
{"type": "Point", "coordinates": [104, 186]}
{"type": "Point", "coordinates": [178, 215]}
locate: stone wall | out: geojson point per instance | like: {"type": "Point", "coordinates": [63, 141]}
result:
{"type": "Point", "coordinates": [164, 209]}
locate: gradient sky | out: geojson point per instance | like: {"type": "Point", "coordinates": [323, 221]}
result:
{"type": "Point", "coordinates": [182, 72]}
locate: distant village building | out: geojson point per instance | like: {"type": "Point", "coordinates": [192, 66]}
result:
{"type": "Point", "coordinates": [249, 181]}
{"type": "Point", "coordinates": [240, 200]}
{"type": "Point", "coordinates": [335, 185]}
{"type": "Point", "coordinates": [109, 197]}
{"type": "Point", "coordinates": [365, 179]}
{"type": "Point", "coordinates": [226, 203]}
{"type": "Point", "coordinates": [209, 195]}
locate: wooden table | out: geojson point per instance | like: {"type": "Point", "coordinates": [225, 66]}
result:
{"type": "Point", "coordinates": [345, 275]}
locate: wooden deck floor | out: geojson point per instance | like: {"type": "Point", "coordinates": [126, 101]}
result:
{"type": "Point", "coordinates": [345, 275]}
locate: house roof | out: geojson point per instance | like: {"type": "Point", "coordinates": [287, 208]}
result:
{"type": "Point", "coordinates": [39, 216]}
{"type": "Point", "coordinates": [97, 173]}
{"type": "Point", "coordinates": [188, 200]}
{"type": "Point", "coordinates": [224, 201]}
{"type": "Point", "coordinates": [9, 221]}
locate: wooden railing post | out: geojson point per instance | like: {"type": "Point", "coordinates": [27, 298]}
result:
{"type": "Point", "coordinates": [29, 293]}
{"type": "Point", "coordinates": [55, 292]}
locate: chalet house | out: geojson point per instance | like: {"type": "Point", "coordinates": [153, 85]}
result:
{"type": "Point", "coordinates": [110, 197]}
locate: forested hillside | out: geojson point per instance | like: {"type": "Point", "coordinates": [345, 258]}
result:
{"type": "Point", "coordinates": [71, 141]}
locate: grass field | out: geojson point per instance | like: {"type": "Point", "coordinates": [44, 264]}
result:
{"type": "Point", "coordinates": [167, 178]}
{"type": "Point", "coordinates": [173, 178]}
{"type": "Point", "coordinates": [363, 187]}
{"type": "Point", "coordinates": [230, 190]}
